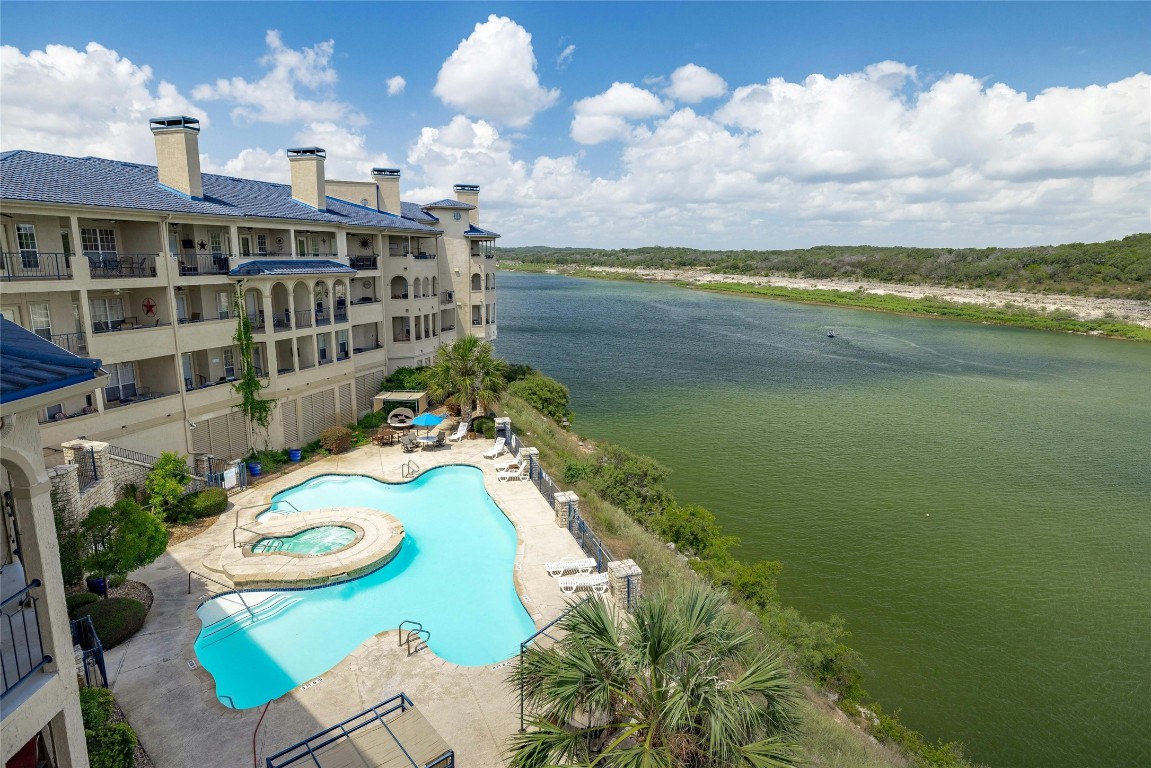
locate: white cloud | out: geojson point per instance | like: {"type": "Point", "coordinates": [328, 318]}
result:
{"type": "Point", "coordinates": [396, 85]}
{"type": "Point", "coordinates": [605, 116]}
{"type": "Point", "coordinates": [83, 102]}
{"type": "Point", "coordinates": [692, 84]}
{"type": "Point", "coordinates": [565, 57]}
{"type": "Point", "coordinates": [492, 75]}
{"type": "Point", "coordinates": [274, 98]}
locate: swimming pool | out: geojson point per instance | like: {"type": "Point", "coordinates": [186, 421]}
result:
{"type": "Point", "coordinates": [313, 541]}
{"type": "Point", "coordinates": [453, 575]}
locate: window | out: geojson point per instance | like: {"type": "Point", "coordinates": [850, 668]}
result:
{"type": "Point", "coordinates": [173, 242]}
{"type": "Point", "coordinates": [10, 313]}
{"type": "Point", "coordinates": [222, 305]}
{"type": "Point", "coordinates": [322, 345]}
{"type": "Point", "coordinates": [41, 320]}
{"type": "Point", "coordinates": [229, 357]}
{"type": "Point", "coordinates": [246, 245]}
{"type": "Point", "coordinates": [26, 239]}
{"type": "Point", "coordinates": [477, 282]}
{"type": "Point", "coordinates": [262, 244]}
{"type": "Point", "coordinates": [66, 244]}
{"type": "Point", "coordinates": [98, 241]}
{"type": "Point", "coordinates": [342, 344]}
{"type": "Point", "coordinates": [121, 382]}
{"type": "Point", "coordinates": [107, 314]}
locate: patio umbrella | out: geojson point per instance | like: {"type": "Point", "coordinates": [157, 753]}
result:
{"type": "Point", "coordinates": [428, 420]}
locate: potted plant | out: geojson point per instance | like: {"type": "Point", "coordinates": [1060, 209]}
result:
{"type": "Point", "coordinates": [253, 466]}
{"type": "Point", "coordinates": [294, 454]}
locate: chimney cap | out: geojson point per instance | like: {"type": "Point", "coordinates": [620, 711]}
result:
{"type": "Point", "coordinates": [158, 124]}
{"type": "Point", "coordinates": [466, 187]}
{"type": "Point", "coordinates": [295, 152]}
{"type": "Point", "coordinates": [385, 171]}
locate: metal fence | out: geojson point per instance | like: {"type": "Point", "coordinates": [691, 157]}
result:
{"type": "Point", "coordinates": [84, 636]}
{"type": "Point", "coordinates": [587, 540]}
{"type": "Point", "coordinates": [86, 472]}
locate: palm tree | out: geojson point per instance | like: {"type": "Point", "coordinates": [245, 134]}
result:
{"type": "Point", "coordinates": [465, 373]}
{"type": "Point", "coordinates": [674, 684]}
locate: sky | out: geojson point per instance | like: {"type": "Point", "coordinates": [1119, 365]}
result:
{"type": "Point", "coordinates": [598, 124]}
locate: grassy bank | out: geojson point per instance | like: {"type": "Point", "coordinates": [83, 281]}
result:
{"type": "Point", "coordinates": [930, 306]}
{"type": "Point", "coordinates": [623, 497]}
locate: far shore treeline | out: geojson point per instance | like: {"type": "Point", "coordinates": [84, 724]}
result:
{"type": "Point", "coordinates": [1115, 269]}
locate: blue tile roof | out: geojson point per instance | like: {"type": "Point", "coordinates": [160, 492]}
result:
{"type": "Point", "coordinates": [474, 231]}
{"type": "Point", "coordinates": [31, 365]}
{"type": "Point", "coordinates": [445, 203]}
{"type": "Point", "coordinates": [44, 178]}
{"type": "Point", "coordinates": [415, 212]}
{"type": "Point", "coordinates": [291, 267]}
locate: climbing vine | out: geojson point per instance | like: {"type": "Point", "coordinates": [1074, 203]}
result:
{"type": "Point", "coordinates": [248, 385]}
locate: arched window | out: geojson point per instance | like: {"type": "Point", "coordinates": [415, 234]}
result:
{"type": "Point", "coordinates": [477, 282]}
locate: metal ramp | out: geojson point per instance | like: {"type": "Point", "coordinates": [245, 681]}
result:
{"type": "Point", "coordinates": [392, 734]}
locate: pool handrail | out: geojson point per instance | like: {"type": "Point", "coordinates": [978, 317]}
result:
{"type": "Point", "coordinates": [227, 590]}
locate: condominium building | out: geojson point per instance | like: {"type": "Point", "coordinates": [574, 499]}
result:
{"type": "Point", "coordinates": [147, 267]}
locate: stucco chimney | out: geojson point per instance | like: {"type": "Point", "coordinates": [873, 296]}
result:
{"type": "Point", "coordinates": [308, 176]}
{"type": "Point", "coordinates": [388, 186]}
{"type": "Point", "coordinates": [178, 154]}
{"type": "Point", "coordinates": [470, 194]}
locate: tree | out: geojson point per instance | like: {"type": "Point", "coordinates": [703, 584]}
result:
{"type": "Point", "coordinates": [257, 410]}
{"type": "Point", "coordinates": [467, 373]}
{"type": "Point", "coordinates": [545, 394]}
{"type": "Point", "coordinates": [673, 685]}
{"type": "Point", "coordinates": [165, 486]}
{"type": "Point", "coordinates": [124, 537]}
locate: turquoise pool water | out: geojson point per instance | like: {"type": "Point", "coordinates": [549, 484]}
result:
{"type": "Point", "coordinates": [314, 541]}
{"type": "Point", "coordinates": [453, 574]}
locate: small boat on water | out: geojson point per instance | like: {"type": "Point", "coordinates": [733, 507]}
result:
{"type": "Point", "coordinates": [830, 335]}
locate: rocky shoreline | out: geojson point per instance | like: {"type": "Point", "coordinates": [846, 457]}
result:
{"type": "Point", "coordinates": [1082, 307]}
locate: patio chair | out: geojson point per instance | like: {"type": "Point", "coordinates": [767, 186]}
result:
{"type": "Point", "coordinates": [441, 439]}
{"type": "Point", "coordinates": [460, 433]}
{"type": "Point", "coordinates": [596, 582]}
{"type": "Point", "coordinates": [498, 449]}
{"type": "Point", "coordinates": [581, 565]}
{"type": "Point", "coordinates": [513, 473]}
{"type": "Point", "coordinates": [409, 444]}
{"type": "Point", "coordinates": [512, 462]}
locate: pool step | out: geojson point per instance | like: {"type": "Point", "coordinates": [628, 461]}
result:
{"type": "Point", "coordinates": [265, 609]}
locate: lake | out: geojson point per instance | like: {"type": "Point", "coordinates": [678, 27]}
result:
{"type": "Point", "coordinates": [974, 501]}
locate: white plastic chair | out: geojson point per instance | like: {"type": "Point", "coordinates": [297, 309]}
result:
{"type": "Point", "coordinates": [596, 582]}
{"type": "Point", "coordinates": [514, 472]}
{"type": "Point", "coordinates": [460, 433]}
{"type": "Point", "coordinates": [583, 565]}
{"type": "Point", "coordinates": [497, 449]}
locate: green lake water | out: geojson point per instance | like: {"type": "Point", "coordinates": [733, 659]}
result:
{"type": "Point", "coordinates": [974, 501]}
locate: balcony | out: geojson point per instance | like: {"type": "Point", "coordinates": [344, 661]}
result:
{"type": "Point", "coordinates": [447, 297]}
{"type": "Point", "coordinates": [477, 322]}
{"type": "Point", "coordinates": [323, 317]}
{"type": "Point", "coordinates": [401, 337]}
{"type": "Point", "coordinates": [142, 395]}
{"type": "Point", "coordinates": [130, 323]}
{"type": "Point", "coordinates": [22, 651]}
{"type": "Point", "coordinates": [303, 318]}
{"type": "Point", "coordinates": [204, 264]}
{"type": "Point", "coordinates": [341, 315]}
{"type": "Point", "coordinates": [75, 343]}
{"type": "Point", "coordinates": [364, 263]}
{"type": "Point", "coordinates": [114, 266]}
{"type": "Point", "coordinates": [32, 265]}
{"type": "Point", "coordinates": [399, 296]}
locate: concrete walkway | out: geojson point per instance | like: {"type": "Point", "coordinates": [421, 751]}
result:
{"type": "Point", "coordinates": [171, 701]}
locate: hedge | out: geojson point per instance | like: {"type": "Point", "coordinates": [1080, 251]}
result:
{"type": "Point", "coordinates": [208, 503]}
{"type": "Point", "coordinates": [115, 619]}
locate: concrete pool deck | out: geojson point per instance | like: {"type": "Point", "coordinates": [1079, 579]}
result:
{"type": "Point", "coordinates": [170, 700]}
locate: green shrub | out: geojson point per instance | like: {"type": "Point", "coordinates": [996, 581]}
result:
{"type": "Point", "coordinates": [123, 537]}
{"type": "Point", "coordinates": [96, 705]}
{"type": "Point", "coordinates": [336, 439]}
{"type": "Point", "coordinates": [373, 420]}
{"type": "Point", "coordinates": [545, 394]}
{"type": "Point", "coordinates": [574, 471]}
{"type": "Point", "coordinates": [270, 461]}
{"type": "Point", "coordinates": [112, 747]}
{"type": "Point", "coordinates": [481, 425]}
{"type": "Point", "coordinates": [115, 619]}
{"type": "Point", "coordinates": [517, 371]}
{"type": "Point", "coordinates": [79, 600]}
{"type": "Point", "coordinates": [208, 502]}
{"type": "Point", "coordinates": [73, 547]}
{"type": "Point", "coordinates": [405, 379]}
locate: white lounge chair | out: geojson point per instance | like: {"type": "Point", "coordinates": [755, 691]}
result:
{"type": "Point", "coordinates": [460, 433]}
{"type": "Point", "coordinates": [596, 582]}
{"type": "Point", "coordinates": [583, 565]}
{"type": "Point", "coordinates": [498, 449]}
{"type": "Point", "coordinates": [512, 462]}
{"type": "Point", "coordinates": [514, 472]}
